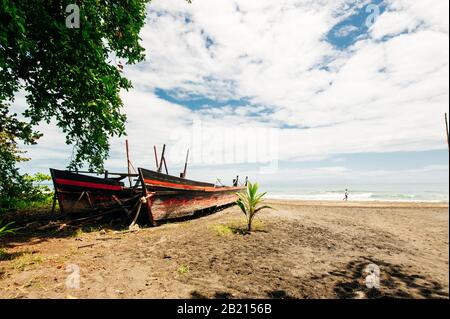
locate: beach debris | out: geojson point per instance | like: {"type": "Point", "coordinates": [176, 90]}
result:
{"type": "Point", "coordinates": [120, 292]}
{"type": "Point", "coordinates": [32, 224]}
{"type": "Point", "coordinates": [108, 238]}
{"type": "Point", "coordinates": [51, 225]}
{"type": "Point", "coordinates": [87, 245]}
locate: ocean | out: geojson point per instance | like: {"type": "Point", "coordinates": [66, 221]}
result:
{"type": "Point", "coordinates": [405, 193]}
{"type": "Point", "coordinates": [360, 193]}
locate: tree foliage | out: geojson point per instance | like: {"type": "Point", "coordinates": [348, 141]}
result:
{"type": "Point", "coordinates": [12, 184]}
{"type": "Point", "coordinates": [68, 75]}
{"type": "Point", "coordinates": [251, 203]}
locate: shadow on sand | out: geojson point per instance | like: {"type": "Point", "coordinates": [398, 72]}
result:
{"type": "Point", "coordinates": [395, 282]}
{"type": "Point", "coordinates": [41, 225]}
{"type": "Point", "coordinates": [217, 295]}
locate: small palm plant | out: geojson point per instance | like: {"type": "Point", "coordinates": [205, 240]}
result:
{"type": "Point", "coordinates": [251, 202]}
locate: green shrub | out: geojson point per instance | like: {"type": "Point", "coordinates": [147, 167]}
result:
{"type": "Point", "coordinates": [27, 192]}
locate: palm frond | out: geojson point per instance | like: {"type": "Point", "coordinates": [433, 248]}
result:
{"type": "Point", "coordinates": [263, 207]}
{"type": "Point", "coordinates": [6, 229]}
{"type": "Point", "coordinates": [241, 206]}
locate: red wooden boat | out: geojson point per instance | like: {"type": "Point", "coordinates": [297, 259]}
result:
{"type": "Point", "coordinates": [161, 196]}
{"type": "Point", "coordinates": [172, 197]}
{"type": "Point", "coordinates": [81, 193]}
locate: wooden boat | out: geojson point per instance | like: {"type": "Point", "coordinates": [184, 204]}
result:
{"type": "Point", "coordinates": [172, 197]}
{"type": "Point", "coordinates": [81, 193]}
{"type": "Point", "coordinates": [161, 196]}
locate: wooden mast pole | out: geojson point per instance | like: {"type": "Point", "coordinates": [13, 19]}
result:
{"type": "Point", "coordinates": [446, 130]}
{"type": "Point", "coordinates": [162, 159]}
{"type": "Point", "coordinates": [165, 166]}
{"type": "Point", "coordinates": [156, 156]}
{"type": "Point", "coordinates": [185, 164]}
{"type": "Point", "coordinates": [128, 161]}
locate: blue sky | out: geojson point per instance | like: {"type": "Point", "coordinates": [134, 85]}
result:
{"type": "Point", "coordinates": [356, 26]}
{"type": "Point", "coordinates": [196, 102]}
{"type": "Point", "coordinates": [355, 94]}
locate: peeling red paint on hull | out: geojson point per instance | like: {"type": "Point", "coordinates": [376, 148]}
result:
{"type": "Point", "coordinates": [166, 207]}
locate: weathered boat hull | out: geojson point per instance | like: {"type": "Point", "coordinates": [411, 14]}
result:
{"type": "Point", "coordinates": [163, 196]}
{"type": "Point", "coordinates": [173, 197]}
{"type": "Point", "coordinates": [78, 193]}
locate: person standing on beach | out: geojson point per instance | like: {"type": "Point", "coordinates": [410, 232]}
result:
{"type": "Point", "coordinates": [346, 195]}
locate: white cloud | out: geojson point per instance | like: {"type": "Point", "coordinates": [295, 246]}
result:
{"type": "Point", "coordinates": [376, 96]}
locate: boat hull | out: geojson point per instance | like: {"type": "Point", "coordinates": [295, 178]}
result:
{"type": "Point", "coordinates": [173, 197]}
{"type": "Point", "coordinates": [162, 196]}
{"type": "Point", "coordinates": [78, 193]}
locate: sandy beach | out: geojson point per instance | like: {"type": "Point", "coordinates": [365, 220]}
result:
{"type": "Point", "coordinates": [300, 250]}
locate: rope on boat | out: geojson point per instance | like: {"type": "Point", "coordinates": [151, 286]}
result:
{"type": "Point", "coordinates": [142, 200]}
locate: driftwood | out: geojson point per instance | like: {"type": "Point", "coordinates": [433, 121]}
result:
{"type": "Point", "coordinates": [87, 245]}
{"type": "Point", "coordinates": [134, 229]}
{"type": "Point", "coordinates": [59, 225]}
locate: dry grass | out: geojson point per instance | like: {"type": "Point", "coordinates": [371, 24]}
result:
{"type": "Point", "coordinates": [27, 261]}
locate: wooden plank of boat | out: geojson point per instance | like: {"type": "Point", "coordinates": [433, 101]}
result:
{"type": "Point", "coordinates": [175, 197]}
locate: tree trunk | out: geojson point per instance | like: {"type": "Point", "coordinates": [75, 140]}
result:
{"type": "Point", "coordinates": [249, 225]}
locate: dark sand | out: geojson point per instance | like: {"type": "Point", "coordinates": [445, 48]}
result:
{"type": "Point", "coordinates": [301, 250]}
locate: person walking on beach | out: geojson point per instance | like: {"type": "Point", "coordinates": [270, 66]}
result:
{"type": "Point", "coordinates": [346, 195]}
